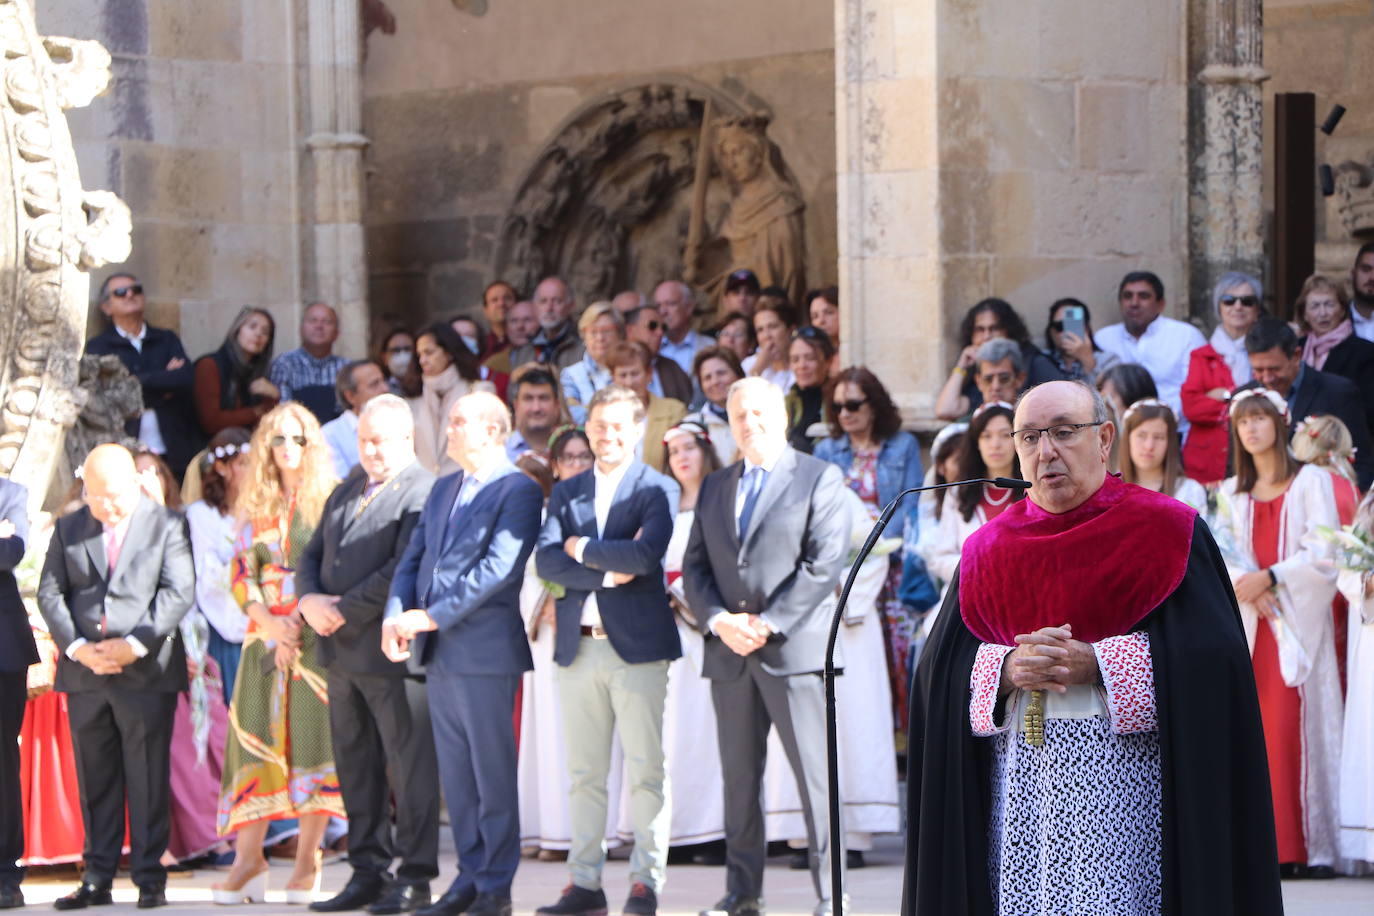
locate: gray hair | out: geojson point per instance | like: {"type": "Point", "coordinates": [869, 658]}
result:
{"type": "Point", "coordinates": [755, 384]}
{"type": "Point", "coordinates": [1100, 412]}
{"type": "Point", "coordinates": [490, 408]}
{"type": "Point", "coordinates": [389, 405]}
{"type": "Point", "coordinates": [1000, 348]}
{"type": "Point", "coordinates": [1229, 281]}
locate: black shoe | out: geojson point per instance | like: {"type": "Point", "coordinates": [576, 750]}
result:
{"type": "Point", "coordinates": [453, 902]}
{"type": "Point", "coordinates": [641, 902]}
{"type": "Point", "coordinates": [84, 896]}
{"type": "Point", "coordinates": [1292, 871]}
{"type": "Point", "coordinates": [11, 897]}
{"type": "Point", "coordinates": [854, 858]}
{"type": "Point", "coordinates": [361, 889]}
{"type": "Point", "coordinates": [577, 901]}
{"type": "Point", "coordinates": [490, 905]}
{"type": "Point", "coordinates": [1321, 872]}
{"type": "Point", "coordinates": [735, 905]}
{"type": "Point", "coordinates": [151, 896]}
{"type": "Point", "coordinates": [800, 860]}
{"type": "Point", "coordinates": [402, 897]}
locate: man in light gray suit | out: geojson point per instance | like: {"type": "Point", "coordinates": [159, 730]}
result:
{"type": "Point", "coordinates": [767, 546]}
{"type": "Point", "coordinates": [117, 580]}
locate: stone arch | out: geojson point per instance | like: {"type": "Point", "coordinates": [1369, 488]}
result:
{"type": "Point", "coordinates": [606, 200]}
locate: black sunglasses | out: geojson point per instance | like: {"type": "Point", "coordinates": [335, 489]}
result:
{"type": "Point", "coordinates": [853, 406]}
{"type": "Point", "coordinates": [121, 292]}
{"type": "Point", "coordinates": [653, 325]}
{"type": "Point", "coordinates": [1247, 301]}
{"type": "Point", "coordinates": [279, 441]}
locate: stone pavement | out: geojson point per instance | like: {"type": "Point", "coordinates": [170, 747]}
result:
{"type": "Point", "coordinates": [873, 890]}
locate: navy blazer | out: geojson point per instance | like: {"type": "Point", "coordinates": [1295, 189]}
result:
{"type": "Point", "coordinates": [468, 575]}
{"type": "Point", "coordinates": [17, 648]}
{"type": "Point", "coordinates": [166, 392]}
{"type": "Point", "coordinates": [636, 616]}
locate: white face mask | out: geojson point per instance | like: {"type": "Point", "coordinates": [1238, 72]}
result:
{"type": "Point", "coordinates": [399, 363]}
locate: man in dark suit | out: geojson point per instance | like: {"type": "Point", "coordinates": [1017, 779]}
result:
{"type": "Point", "coordinates": [17, 652]}
{"type": "Point", "coordinates": [767, 546]}
{"type": "Point", "coordinates": [603, 541]}
{"type": "Point", "coordinates": [378, 715]}
{"type": "Point", "coordinates": [117, 580]}
{"type": "Point", "coordinates": [156, 358]}
{"type": "Point", "coordinates": [456, 595]}
{"type": "Point", "coordinates": [1276, 362]}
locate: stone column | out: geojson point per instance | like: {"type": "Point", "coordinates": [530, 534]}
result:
{"type": "Point", "coordinates": [338, 273]}
{"type": "Point", "coordinates": [887, 165]}
{"type": "Point", "coordinates": [1226, 207]}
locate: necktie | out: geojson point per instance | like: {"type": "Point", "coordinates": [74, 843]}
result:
{"type": "Point", "coordinates": [753, 485]}
{"type": "Point", "coordinates": [112, 549]}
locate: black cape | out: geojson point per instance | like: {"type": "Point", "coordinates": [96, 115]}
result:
{"type": "Point", "coordinates": [1220, 855]}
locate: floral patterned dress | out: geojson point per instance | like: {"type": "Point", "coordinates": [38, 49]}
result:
{"type": "Point", "coordinates": [279, 762]}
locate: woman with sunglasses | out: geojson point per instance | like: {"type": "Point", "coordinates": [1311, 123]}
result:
{"type": "Point", "coordinates": [808, 358]}
{"type": "Point", "coordinates": [1214, 371]}
{"type": "Point", "coordinates": [1268, 521]}
{"type": "Point", "coordinates": [231, 387]}
{"type": "Point", "coordinates": [879, 460]}
{"type": "Point", "coordinates": [279, 763]}
{"type": "Point", "coordinates": [1328, 337]}
{"type": "Point", "coordinates": [1077, 357]}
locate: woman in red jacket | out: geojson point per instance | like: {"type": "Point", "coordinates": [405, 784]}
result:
{"type": "Point", "coordinates": [1214, 371]}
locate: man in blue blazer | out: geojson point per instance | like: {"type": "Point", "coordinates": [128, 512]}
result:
{"type": "Point", "coordinates": [17, 652]}
{"type": "Point", "coordinates": [456, 595]}
{"type": "Point", "coordinates": [603, 541]}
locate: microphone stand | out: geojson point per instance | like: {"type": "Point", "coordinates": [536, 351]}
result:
{"type": "Point", "coordinates": [832, 746]}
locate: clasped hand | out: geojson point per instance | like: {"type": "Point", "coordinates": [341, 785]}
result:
{"type": "Point", "coordinates": [400, 630]}
{"type": "Point", "coordinates": [109, 656]}
{"type": "Point", "coordinates": [1049, 659]}
{"type": "Point", "coordinates": [743, 633]}
{"type": "Point", "coordinates": [1256, 589]}
{"type": "Point", "coordinates": [322, 613]}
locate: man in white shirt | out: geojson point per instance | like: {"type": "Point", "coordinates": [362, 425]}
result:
{"type": "Point", "coordinates": [1148, 337]}
{"type": "Point", "coordinates": [676, 303]}
{"type": "Point", "coordinates": [359, 382]}
{"type": "Point", "coordinates": [1362, 290]}
{"type": "Point", "coordinates": [604, 541]}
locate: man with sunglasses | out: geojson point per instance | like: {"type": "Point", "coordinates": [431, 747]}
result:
{"type": "Point", "coordinates": [157, 359]}
{"type": "Point", "coordinates": [645, 324]}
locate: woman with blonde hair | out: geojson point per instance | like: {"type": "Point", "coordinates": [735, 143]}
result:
{"type": "Point", "coordinates": [1151, 456]}
{"type": "Point", "coordinates": [279, 763]}
{"type": "Point", "coordinates": [1269, 520]}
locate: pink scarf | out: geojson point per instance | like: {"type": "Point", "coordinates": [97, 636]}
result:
{"type": "Point", "coordinates": [1319, 346]}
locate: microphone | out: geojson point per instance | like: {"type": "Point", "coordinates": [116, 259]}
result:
{"type": "Point", "coordinates": [832, 759]}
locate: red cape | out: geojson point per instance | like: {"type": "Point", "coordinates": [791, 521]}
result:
{"type": "Point", "coordinates": [1101, 567]}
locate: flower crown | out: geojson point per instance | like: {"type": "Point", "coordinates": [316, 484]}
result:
{"type": "Point", "coordinates": [989, 405]}
{"type": "Point", "coordinates": [221, 452]}
{"type": "Point", "coordinates": [1307, 427]}
{"type": "Point", "coordinates": [1273, 397]}
{"type": "Point", "coordinates": [1144, 402]}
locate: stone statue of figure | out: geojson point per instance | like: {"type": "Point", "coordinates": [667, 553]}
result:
{"type": "Point", "coordinates": [763, 229]}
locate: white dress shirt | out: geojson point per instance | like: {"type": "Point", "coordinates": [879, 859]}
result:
{"type": "Point", "coordinates": [603, 495]}
{"type": "Point", "coordinates": [342, 435]}
{"type": "Point", "coordinates": [740, 493]}
{"type": "Point", "coordinates": [1163, 350]}
{"type": "Point", "coordinates": [684, 352]}
{"type": "Point", "coordinates": [1364, 327]}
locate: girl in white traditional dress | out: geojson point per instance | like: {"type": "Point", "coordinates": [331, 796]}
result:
{"type": "Point", "coordinates": [541, 766]}
{"type": "Point", "coordinates": [1356, 803]}
{"type": "Point", "coordinates": [987, 452]}
{"type": "Point", "coordinates": [1151, 458]}
{"type": "Point", "coordinates": [1268, 516]}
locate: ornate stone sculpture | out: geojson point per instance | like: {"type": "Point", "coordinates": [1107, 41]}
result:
{"type": "Point", "coordinates": [1355, 196]}
{"type": "Point", "coordinates": [51, 232]}
{"type": "Point", "coordinates": [608, 201]}
{"type": "Point", "coordinates": [107, 396]}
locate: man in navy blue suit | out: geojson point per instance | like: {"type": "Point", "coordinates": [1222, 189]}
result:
{"type": "Point", "coordinates": [603, 541]}
{"type": "Point", "coordinates": [456, 596]}
{"type": "Point", "coordinates": [17, 652]}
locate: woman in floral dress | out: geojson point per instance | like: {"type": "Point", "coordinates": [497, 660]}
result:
{"type": "Point", "coordinates": [279, 762]}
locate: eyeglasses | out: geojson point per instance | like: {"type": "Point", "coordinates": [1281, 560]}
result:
{"type": "Point", "coordinates": [576, 458]}
{"type": "Point", "coordinates": [123, 292]}
{"type": "Point", "coordinates": [1065, 434]}
{"type": "Point", "coordinates": [1247, 301]}
{"type": "Point", "coordinates": [853, 406]}
{"type": "Point", "coordinates": [279, 441]}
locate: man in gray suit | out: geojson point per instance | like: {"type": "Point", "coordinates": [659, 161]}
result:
{"type": "Point", "coordinates": [117, 580]}
{"type": "Point", "coordinates": [767, 546]}
{"type": "Point", "coordinates": [378, 715]}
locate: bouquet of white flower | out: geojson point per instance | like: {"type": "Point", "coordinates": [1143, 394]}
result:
{"type": "Point", "coordinates": [1354, 547]}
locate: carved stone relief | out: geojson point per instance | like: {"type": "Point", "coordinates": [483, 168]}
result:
{"type": "Point", "coordinates": [107, 396]}
{"type": "Point", "coordinates": [608, 201]}
{"type": "Point", "coordinates": [51, 232]}
{"type": "Point", "coordinates": [1355, 196]}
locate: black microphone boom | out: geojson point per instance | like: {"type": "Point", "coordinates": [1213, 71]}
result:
{"type": "Point", "coordinates": [837, 850]}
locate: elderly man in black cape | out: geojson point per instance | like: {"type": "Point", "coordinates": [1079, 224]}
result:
{"type": "Point", "coordinates": [1085, 736]}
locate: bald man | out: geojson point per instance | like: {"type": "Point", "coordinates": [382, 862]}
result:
{"type": "Point", "coordinates": [117, 580]}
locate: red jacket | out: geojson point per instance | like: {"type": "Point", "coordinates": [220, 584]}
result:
{"type": "Point", "coordinates": [1204, 454]}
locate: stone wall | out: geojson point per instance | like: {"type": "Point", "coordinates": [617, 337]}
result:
{"type": "Point", "coordinates": [1323, 47]}
{"type": "Point", "coordinates": [457, 106]}
{"type": "Point", "coordinates": [199, 136]}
